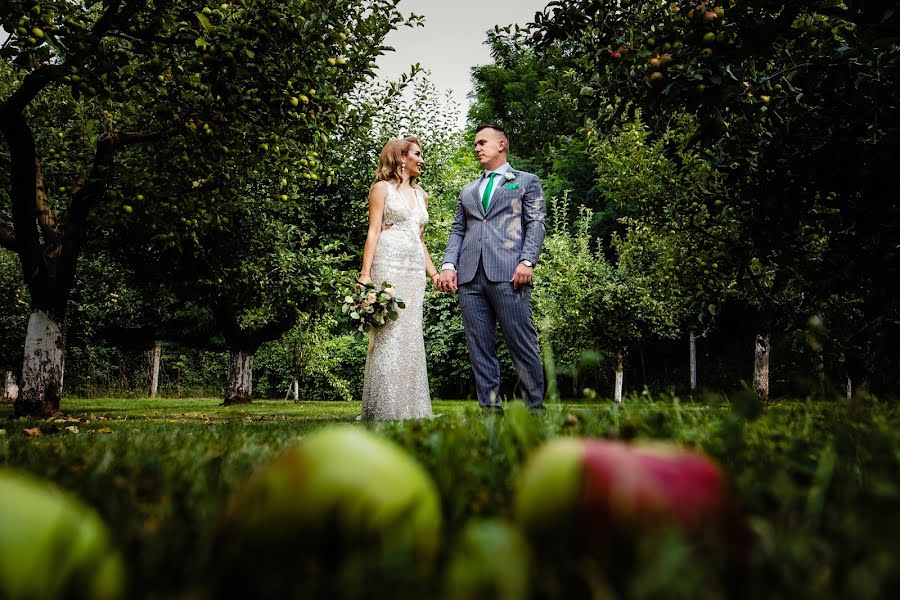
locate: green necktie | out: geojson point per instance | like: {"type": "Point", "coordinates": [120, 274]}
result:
{"type": "Point", "coordinates": [486, 196]}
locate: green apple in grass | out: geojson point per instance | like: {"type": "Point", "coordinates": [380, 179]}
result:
{"type": "Point", "coordinates": [52, 545]}
{"type": "Point", "coordinates": [342, 508]}
{"type": "Point", "coordinates": [491, 560]}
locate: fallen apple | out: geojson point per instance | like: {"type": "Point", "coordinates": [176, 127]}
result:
{"type": "Point", "coordinates": [52, 545]}
{"type": "Point", "coordinates": [341, 509]}
{"type": "Point", "coordinates": [587, 491]}
{"type": "Point", "coordinates": [474, 570]}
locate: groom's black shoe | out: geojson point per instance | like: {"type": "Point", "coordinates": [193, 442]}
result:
{"type": "Point", "coordinates": [537, 410]}
{"type": "Point", "coordinates": [492, 410]}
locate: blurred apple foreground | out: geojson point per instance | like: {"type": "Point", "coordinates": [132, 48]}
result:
{"type": "Point", "coordinates": [490, 560]}
{"type": "Point", "coordinates": [52, 545]}
{"type": "Point", "coordinates": [592, 494]}
{"type": "Point", "coordinates": [340, 512]}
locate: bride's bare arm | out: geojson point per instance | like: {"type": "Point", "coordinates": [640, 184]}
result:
{"type": "Point", "coordinates": [430, 271]}
{"type": "Point", "coordinates": [377, 195]}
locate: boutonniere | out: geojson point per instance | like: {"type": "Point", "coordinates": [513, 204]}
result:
{"type": "Point", "coordinates": [509, 176]}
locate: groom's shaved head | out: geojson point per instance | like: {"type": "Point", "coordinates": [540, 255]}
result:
{"type": "Point", "coordinates": [499, 130]}
{"type": "Point", "coordinates": [491, 145]}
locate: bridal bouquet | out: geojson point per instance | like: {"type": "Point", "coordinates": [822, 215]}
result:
{"type": "Point", "coordinates": [370, 307]}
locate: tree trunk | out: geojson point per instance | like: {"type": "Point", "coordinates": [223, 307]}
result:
{"type": "Point", "coordinates": [849, 388]}
{"type": "Point", "coordinates": [10, 388]}
{"type": "Point", "coordinates": [153, 357]}
{"type": "Point", "coordinates": [693, 359]}
{"type": "Point", "coordinates": [293, 388]}
{"type": "Point", "coordinates": [761, 367]}
{"type": "Point", "coordinates": [820, 372]}
{"type": "Point", "coordinates": [42, 369]}
{"type": "Point", "coordinates": [619, 376]}
{"type": "Point", "coordinates": [643, 369]}
{"type": "Point", "coordinates": [240, 378]}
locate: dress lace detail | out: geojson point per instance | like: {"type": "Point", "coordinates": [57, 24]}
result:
{"type": "Point", "coordinates": [396, 380]}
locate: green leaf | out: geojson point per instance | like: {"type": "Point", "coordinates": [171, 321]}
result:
{"type": "Point", "coordinates": [204, 22]}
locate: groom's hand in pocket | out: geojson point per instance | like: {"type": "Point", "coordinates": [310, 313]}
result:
{"type": "Point", "coordinates": [447, 281]}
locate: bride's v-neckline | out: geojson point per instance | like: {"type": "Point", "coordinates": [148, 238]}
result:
{"type": "Point", "coordinates": [403, 201]}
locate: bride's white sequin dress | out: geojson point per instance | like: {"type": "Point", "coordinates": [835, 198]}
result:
{"type": "Point", "coordinates": [396, 380]}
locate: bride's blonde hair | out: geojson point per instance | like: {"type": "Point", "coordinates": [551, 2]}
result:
{"type": "Point", "coordinates": [390, 161]}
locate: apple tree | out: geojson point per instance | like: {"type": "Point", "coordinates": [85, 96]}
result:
{"type": "Point", "coordinates": [797, 104]}
{"type": "Point", "coordinates": [160, 111]}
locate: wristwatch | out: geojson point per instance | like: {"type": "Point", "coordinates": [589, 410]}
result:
{"type": "Point", "coordinates": [527, 263]}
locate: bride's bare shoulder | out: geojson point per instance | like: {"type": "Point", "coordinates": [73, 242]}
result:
{"type": "Point", "coordinates": [424, 194]}
{"type": "Point", "coordinates": [379, 190]}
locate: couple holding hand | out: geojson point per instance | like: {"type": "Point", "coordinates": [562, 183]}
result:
{"type": "Point", "coordinates": [493, 245]}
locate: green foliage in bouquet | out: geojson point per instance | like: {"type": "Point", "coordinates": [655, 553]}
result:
{"type": "Point", "coordinates": [369, 307]}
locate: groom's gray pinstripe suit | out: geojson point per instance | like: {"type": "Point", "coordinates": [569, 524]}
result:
{"type": "Point", "coordinates": [486, 248]}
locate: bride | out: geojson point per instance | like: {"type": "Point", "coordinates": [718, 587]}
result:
{"type": "Point", "coordinates": [396, 381]}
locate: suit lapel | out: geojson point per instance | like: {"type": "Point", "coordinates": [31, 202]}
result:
{"type": "Point", "coordinates": [473, 194]}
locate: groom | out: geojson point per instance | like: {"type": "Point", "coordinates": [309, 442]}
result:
{"type": "Point", "coordinates": [493, 246]}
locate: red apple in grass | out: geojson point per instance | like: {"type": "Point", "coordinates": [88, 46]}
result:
{"type": "Point", "coordinates": [343, 509]}
{"type": "Point", "coordinates": [590, 491]}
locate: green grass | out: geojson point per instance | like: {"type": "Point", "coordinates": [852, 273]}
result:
{"type": "Point", "coordinates": [818, 480]}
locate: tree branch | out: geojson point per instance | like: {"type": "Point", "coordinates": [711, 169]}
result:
{"type": "Point", "coordinates": [31, 86]}
{"type": "Point", "coordinates": [152, 38]}
{"type": "Point", "coordinates": [104, 23]}
{"type": "Point", "coordinates": [44, 215]}
{"type": "Point", "coordinates": [107, 145]}
{"type": "Point", "coordinates": [20, 140]}
{"type": "Point", "coordinates": [94, 187]}
{"type": "Point", "coordinates": [125, 138]}
{"type": "Point", "coordinates": [38, 79]}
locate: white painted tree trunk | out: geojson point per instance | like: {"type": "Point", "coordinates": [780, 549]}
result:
{"type": "Point", "coordinates": [42, 367]}
{"type": "Point", "coordinates": [693, 359]}
{"type": "Point", "coordinates": [293, 389]}
{"type": "Point", "coordinates": [620, 373]}
{"type": "Point", "coordinates": [10, 388]}
{"type": "Point", "coordinates": [240, 378]}
{"type": "Point", "coordinates": [153, 357]}
{"type": "Point", "coordinates": [761, 366]}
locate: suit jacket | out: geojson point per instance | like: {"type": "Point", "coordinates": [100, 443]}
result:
{"type": "Point", "coordinates": [511, 231]}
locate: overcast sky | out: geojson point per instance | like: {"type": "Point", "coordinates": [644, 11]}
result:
{"type": "Point", "coordinates": [453, 39]}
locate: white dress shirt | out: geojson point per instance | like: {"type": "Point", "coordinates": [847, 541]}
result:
{"type": "Point", "coordinates": [498, 181]}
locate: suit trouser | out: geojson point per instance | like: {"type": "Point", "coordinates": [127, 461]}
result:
{"type": "Point", "coordinates": [483, 304]}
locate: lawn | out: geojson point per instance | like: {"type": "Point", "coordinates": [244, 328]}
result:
{"type": "Point", "coordinates": [817, 482]}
